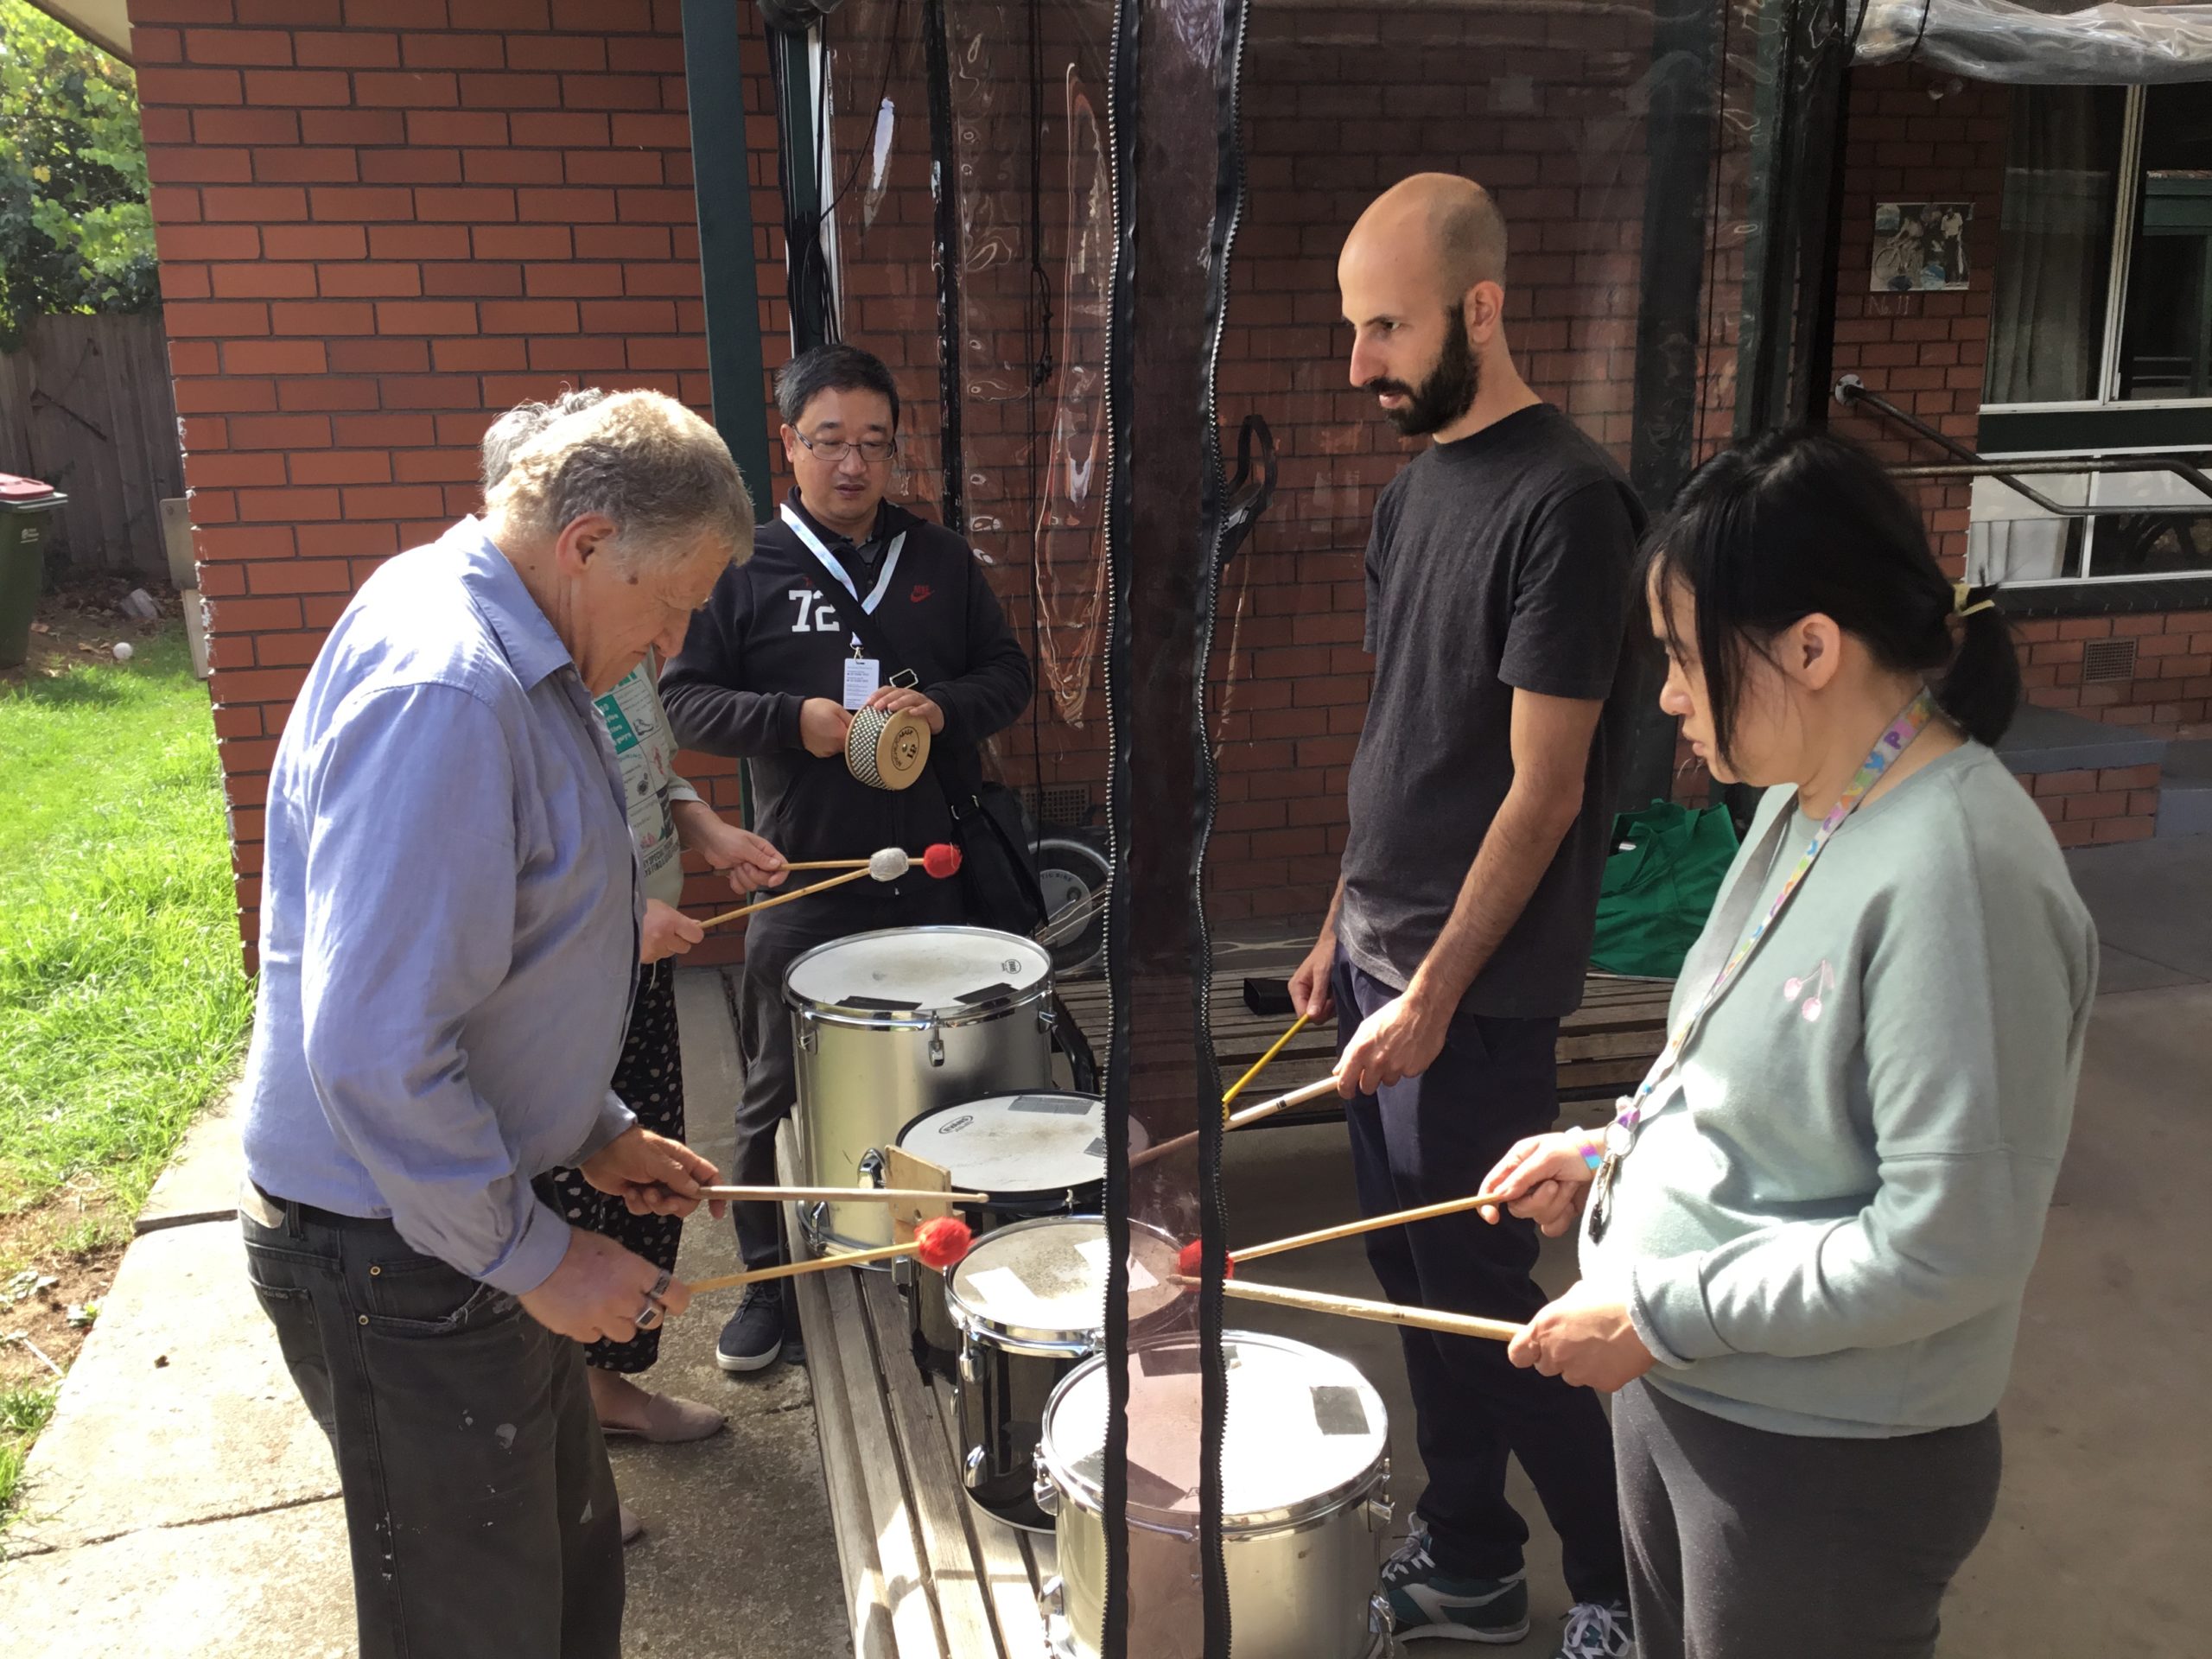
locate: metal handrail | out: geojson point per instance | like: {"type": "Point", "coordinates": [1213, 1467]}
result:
{"type": "Point", "coordinates": [1850, 391]}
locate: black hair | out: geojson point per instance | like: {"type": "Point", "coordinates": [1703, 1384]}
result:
{"type": "Point", "coordinates": [1796, 523]}
{"type": "Point", "coordinates": [832, 368]}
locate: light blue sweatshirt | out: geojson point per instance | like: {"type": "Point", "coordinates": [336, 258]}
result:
{"type": "Point", "coordinates": [1830, 1213]}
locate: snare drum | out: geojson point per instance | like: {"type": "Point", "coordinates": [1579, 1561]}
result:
{"type": "Point", "coordinates": [1029, 1301]}
{"type": "Point", "coordinates": [1305, 1467]}
{"type": "Point", "coordinates": [1040, 1154]}
{"type": "Point", "coordinates": [886, 1026]}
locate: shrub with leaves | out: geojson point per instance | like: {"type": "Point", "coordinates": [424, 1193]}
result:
{"type": "Point", "coordinates": [75, 234]}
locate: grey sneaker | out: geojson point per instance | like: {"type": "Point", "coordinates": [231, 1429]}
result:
{"type": "Point", "coordinates": [754, 1335]}
{"type": "Point", "coordinates": [1425, 1602]}
{"type": "Point", "coordinates": [1598, 1630]}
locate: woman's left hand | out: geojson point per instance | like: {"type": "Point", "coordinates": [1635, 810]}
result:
{"type": "Point", "coordinates": [1586, 1338]}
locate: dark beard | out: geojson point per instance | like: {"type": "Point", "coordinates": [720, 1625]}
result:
{"type": "Point", "coordinates": [1448, 392]}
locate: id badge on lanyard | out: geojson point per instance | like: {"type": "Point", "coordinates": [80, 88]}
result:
{"type": "Point", "coordinates": [863, 674]}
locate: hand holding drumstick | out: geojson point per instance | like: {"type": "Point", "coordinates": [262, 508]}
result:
{"type": "Point", "coordinates": [1545, 1179]}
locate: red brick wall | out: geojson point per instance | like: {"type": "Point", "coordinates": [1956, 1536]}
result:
{"type": "Point", "coordinates": [380, 225]}
{"type": "Point", "coordinates": [2172, 684]}
{"type": "Point", "coordinates": [1925, 353]}
{"type": "Point", "coordinates": [2098, 807]}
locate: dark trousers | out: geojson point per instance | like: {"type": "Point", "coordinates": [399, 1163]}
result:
{"type": "Point", "coordinates": [773, 940]}
{"type": "Point", "coordinates": [478, 1501]}
{"type": "Point", "coordinates": [1745, 1544]}
{"type": "Point", "coordinates": [1434, 1137]}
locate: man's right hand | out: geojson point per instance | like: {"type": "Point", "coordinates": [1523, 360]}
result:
{"type": "Point", "coordinates": [598, 1291]}
{"type": "Point", "coordinates": [1310, 993]}
{"type": "Point", "coordinates": [822, 726]}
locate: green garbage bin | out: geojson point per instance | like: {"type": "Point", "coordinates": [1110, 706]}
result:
{"type": "Point", "coordinates": [27, 509]}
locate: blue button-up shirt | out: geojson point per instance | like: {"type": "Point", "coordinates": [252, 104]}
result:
{"type": "Point", "coordinates": [449, 920]}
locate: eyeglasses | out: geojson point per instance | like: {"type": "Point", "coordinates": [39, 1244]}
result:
{"type": "Point", "coordinates": [874, 451]}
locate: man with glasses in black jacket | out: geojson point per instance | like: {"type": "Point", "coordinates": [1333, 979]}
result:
{"type": "Point", "coordinates": [771, 672]}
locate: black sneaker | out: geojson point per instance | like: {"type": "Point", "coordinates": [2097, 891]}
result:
{"type": "Point", "coordinates": [754, 1335]}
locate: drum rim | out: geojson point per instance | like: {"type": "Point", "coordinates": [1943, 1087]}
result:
{"type": "Point", "coordinates": [965, 1013]}
{"type": "Point", "coordinates": [1040, 1339]}
{"type": "Point", "coordinates": [1242, 1523]}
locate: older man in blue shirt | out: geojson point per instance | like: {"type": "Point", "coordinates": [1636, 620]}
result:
{"type": "Point", "coordinates": [450, 930]}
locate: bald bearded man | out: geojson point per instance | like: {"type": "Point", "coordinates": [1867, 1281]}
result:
{"type": "Point", "coordinates": [1498, 586]}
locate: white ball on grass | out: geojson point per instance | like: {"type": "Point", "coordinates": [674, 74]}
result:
{"type": "Point", "coordinates": [123, 650]}
{"type": "Point", "coordinates": [889, 864]}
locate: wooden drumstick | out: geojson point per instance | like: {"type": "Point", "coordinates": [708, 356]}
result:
{"type": "Point", "coordinates": [1351, 1229]}
{"type": "Point", "coordinates": [1237, 1120]}
{"type": "Point", "coordinates": [1261, 1065]}
{"type": "Point", "coordinates": [940, 1244]}
{"type": "Point", "coordinates": [835, 1194]}
{"type": "Point", "coordinates": [1355, 1307]}
{"type": "Point", "coordinates": [861, 874]}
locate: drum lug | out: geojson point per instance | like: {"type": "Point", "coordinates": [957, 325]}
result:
{"type": "Point", "coordinates": [809, 1041]}
{"type": "Point", "coordinates": [971, 1468]}
{"type": "Point", "coordinates": [1379, 1513]}
{"type": "Point", "coordinates": [1046, 1022]}
{"type": "Point", "coordinates": [936, 1043]}
{"type": "Point", "coordinates": [902, 1273]}
{"type": "Point", "coordinates": [971, 1367]}
{"type": "Point", "coordinates": [1044, 1491]}
{"type": "Point", "coordinates": [1379, 1619]}
{"type": "Point", "coordinates": [871, 1166]}
{"type": "Point", "coordinates": [1052, 1599]}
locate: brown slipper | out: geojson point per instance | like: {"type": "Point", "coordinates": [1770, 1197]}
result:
{"type": "Point", "coordinates": [670, 1421]}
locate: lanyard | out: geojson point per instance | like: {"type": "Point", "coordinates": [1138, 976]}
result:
{"type": "Point", "coordinates": [1620, 1136]}
{"type": "Point", "coordinates": [836, 566]}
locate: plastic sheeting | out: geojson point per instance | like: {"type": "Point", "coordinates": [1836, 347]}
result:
{"type": "Point", "coordinates": [1995, 39]}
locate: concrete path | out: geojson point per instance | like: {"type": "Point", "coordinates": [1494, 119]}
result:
{"type": "Point", "coordinates": [182, 1505]}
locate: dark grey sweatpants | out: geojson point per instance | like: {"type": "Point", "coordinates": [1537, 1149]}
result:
{"type": "Point", "coordinates": [1745, 1544]}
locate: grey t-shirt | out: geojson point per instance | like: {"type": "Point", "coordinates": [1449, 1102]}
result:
{"type": "Point", "coordinates": [1829, 1213]}
{"type": "Point", "coordinates": [1501, 561]}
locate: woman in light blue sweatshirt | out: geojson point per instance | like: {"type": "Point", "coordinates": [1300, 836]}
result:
{"type": "Point", "coordinates": [1806, 1237]}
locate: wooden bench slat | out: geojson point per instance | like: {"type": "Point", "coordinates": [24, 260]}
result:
{"type": "Point", "coordinates": [1010, 1561]}
{"type": "Point", "coordinates": [850, 1516]}
{"type": "Point", "coordinates": [940, 1504]}
{"type": "Point", "coordinates": [906, 1589]}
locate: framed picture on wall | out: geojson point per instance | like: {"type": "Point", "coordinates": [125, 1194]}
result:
{"type": "Point", "coordinates": [1920, 245]}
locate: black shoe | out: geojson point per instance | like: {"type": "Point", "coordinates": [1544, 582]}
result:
{"type": "Point", "coordinates": [754, 1335]}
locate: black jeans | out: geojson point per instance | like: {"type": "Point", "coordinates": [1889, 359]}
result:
{"type": "Point", "coordinates": [1745, 1544]}
{"type": "Point", "coordinates": [1434, 1137]}
{"type": "Point", "coordinates": [479, 1502]}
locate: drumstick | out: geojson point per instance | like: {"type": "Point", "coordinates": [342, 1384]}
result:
{"type": "Point", "coordinates": [1355, 1307]}
{"type": "Point", "coordinates": [940, 1244]}
{"type": "Point", "coordinates": [1238, 1120]}
{"type": "Point", "coordinates": [835, 1194]}
{"type": "Point", "coordinates": [861, 874]}
{"type": "Point", "coordinates": [1349, 1229]}
{"type": "Point", "coordinates": [941, 859]}
{"type": "Point", "coordinates": [1261, 1065]}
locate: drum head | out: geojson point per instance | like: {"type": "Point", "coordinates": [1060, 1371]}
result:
{"type": "Point", "coordinates": [1044, 1280]}
{"type": "Point", "coordinates": [1306, 1431]}
{"type": "Point", "coordinates": [1005, 1144]}
{"type": "Point", "coordinates": [904, 972]}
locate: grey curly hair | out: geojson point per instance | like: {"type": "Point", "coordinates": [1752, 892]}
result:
{"type": "Point", "coordinates": [640, 459]}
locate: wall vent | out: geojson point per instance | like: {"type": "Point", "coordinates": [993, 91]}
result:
{"type": "Point", "coordinates": [2108, 659]}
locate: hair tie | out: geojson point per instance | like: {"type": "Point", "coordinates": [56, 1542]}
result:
{"type": "Point", "coordinates": [1960, 592]}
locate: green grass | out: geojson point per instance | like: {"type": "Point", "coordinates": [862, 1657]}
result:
{"type": "Point", "coordinates": [122, 1002]}
{"type": "Point", "coordinates": [23, 1412]}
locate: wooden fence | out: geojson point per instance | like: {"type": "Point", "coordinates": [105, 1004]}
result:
{"type": "Point", "coordinates": [87, 406]}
